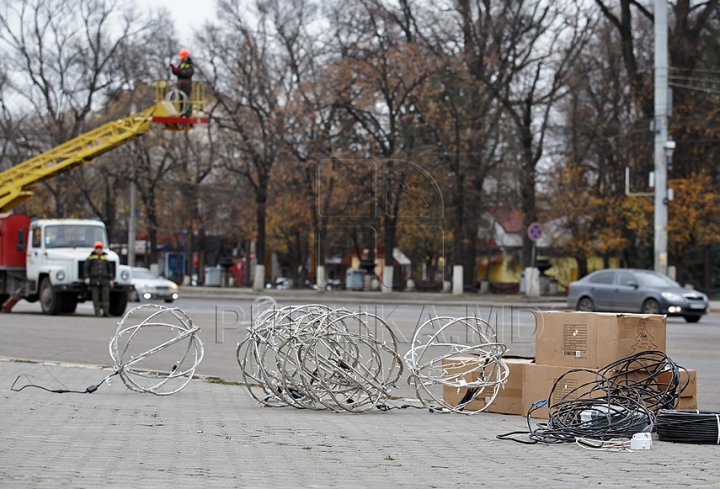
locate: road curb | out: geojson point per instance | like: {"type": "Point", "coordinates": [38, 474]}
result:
{"type": "Point", "coordinates": [369, 297]}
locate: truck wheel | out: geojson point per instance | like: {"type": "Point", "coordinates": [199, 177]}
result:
{"type": "Point", "coordinates": [49, 300]}
{"type": "Point", "coordinates": [118, 303]}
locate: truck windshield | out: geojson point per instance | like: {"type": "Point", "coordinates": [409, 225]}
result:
{"type": "Point", "coordinates": [74, 236]}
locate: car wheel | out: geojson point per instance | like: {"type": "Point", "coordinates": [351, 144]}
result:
{"type": "Point", "coordinates": [585, 304]}
{"type": "Point", "coordinates": [651, 306]}
{"type": "Point", "coordinates": [692, 319]}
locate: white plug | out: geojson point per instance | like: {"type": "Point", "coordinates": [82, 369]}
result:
{"type": "Point", "coordinates": [641, 441]}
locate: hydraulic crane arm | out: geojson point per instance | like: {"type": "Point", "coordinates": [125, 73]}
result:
{"type": "Point", "coordinates": [17, 183]}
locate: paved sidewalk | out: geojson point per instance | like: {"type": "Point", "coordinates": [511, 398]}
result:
{"type": "Point", "coordinates": [213, 435]}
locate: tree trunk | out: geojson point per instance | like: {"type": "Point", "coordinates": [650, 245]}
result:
{"type": "Point", "coordinates": [261, 218]}
{"type": "Point", "coordinates": [582, 265]}
{"type": "Point", "coordinates": [152, 224]}
{"type": "Point", "coordinates": [707, 268]}
{"type": "Point", "coordinates": [202, 251]}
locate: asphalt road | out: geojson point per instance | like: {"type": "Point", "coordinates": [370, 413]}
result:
{"type": "Point", "coordinates": [81, 338]}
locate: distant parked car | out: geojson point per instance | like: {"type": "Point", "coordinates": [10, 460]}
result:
{"type": "Point", "coordinates": [334, 284]}
{"type": "Point", "coordinates": [149, 286]}
{"type": "Point", "coordinates": [281, 283]}
{"type": "Point", "coordinates": [633, 291]}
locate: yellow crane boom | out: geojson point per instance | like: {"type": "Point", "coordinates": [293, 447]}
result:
{"type": "Point", "coordinates": [17, 183]}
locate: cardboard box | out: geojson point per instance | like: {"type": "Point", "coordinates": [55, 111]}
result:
{"type": "Point", "coordinates": [508, 399]}
{"type": "Point", "coordinates": [688, 380]}
{"type": "Point", "coordinates": [690, 377]}
{"type": "Point", "coordinates": [538, 382]}
{"type": "Point", "coordinates": [593, 340]}
{"type": "Point", "coordinates": [688, 403]}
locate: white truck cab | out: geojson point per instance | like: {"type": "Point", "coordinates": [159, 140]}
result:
{"type": "Point", "coordinates": [56, 254]}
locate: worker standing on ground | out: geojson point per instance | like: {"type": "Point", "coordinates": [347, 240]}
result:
{"type": "Point", "coordinates": [98, 275]}
{"type": "Point", "coordinates": [184, 73]}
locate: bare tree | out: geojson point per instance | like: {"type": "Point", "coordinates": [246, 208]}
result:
{"type": "Point", "coordinates": [63, 56]}
{"type": "Point", "coordinates": [248, 81]}
{"type": "Point", "coordinates": [546, 40]}
{"type": "Point", "coordinates": [381, 73]}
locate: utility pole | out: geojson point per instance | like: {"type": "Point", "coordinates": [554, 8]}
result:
{"type": "Point", "coordinates": [131, 221]}
{"type": "Point", "coordinates": [131, 227]}
{"type": "Point", "coordinates": [661, 135]}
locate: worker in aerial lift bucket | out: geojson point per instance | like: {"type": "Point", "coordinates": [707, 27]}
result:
{"type": "Point", "coordinates": [98, 276]}
{"type": "Point", "coordinates": [184, 72]}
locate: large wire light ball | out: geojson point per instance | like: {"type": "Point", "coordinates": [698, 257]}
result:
{"type": "Point", "coordinates": [456, 355]}
{"type": "Point", "coordinates": [165, 368]}
{"type": "Point", "coordinates": [315, 357]}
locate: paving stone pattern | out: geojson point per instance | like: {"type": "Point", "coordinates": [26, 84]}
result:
{"type": "Point", "coordinates": [213, 435]}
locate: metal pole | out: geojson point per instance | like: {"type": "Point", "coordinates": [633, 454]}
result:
{"type": "Point", "coordinates": [131, 221]}
{"type": "Point", "coordinates": [532, 256]}
{"type": "Point", "coordinates": [661, 134]}
{"type": "Point", "coordinates": [131, 227]}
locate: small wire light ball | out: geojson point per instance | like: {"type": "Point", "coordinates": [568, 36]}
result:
{"type": "Point", "coordinates": [456, 358]}
{"type": "Point", "coordinates": [315, 357]}
{"type": "Point", "coordinates": [166, 368]}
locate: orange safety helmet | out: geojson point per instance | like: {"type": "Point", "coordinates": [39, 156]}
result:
{"type": "Point", "coordinates": [98, 244]}
{"type": "Point", "coordinates": [184, 53]}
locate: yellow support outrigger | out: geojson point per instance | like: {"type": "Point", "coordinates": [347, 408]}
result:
{"type": "Point", "coordinates": [17, 183]}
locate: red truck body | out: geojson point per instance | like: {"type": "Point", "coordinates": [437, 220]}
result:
{"type": "Point", "coordinates": [13, 227]}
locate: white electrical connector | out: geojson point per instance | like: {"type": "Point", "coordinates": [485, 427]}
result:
{"type": "Point", "coordinates": [641, 441]}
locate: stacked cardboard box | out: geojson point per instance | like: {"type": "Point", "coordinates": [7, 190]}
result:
{"type": "Point", "coordinates": [687, 386]}
{"type": "Point", "coordinates": [565, 342]}
{"type": "Point", "coordinates": [593, 340]}
{"type": "Point", "coordinates": [509, 397]}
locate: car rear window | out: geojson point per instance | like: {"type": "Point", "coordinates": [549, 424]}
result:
{"type": "Point", "coordinates": [626, 278]}
{"type": "Point", "coordinates": [602, 278]}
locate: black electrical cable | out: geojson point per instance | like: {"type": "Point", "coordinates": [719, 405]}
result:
{"type": "Point", "coordinates": [88, 390]}
{"type": "Point", "coordinates": [597, 410]}
{"type": "Point", "coordinates": [650, 373]}
{"type": "Point", "coordinates": [689, 426]}
{"type": "Point", "coordinates": [622, 400]}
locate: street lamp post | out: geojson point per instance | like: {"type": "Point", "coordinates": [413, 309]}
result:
{"type": "Point", "coordinates": [661, 135]}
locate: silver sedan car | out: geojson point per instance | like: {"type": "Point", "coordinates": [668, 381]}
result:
{"type": "Point", "coordinates": [150, 286]}
{"type": "Point", "coordinates": [633, 291]}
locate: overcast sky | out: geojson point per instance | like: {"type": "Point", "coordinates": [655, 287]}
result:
{"type": "Point", "coordinates": [187, 14]}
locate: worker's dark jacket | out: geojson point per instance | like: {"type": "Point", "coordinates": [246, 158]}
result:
{"type": "Point", "coordinates": [184, 71]}
{"type": "Point", "coordinates": [97, 269]}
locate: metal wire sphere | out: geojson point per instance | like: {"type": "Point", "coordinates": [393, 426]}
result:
{"type": "Point", "coordinates": [316, 357]}
{"type": "Point", "coordinates": [456, 354]}
{"type": "Point", "coordinates": [166, 368]}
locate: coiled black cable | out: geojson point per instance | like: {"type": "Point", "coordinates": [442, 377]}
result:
{"type": "Point", "coordinates": [622, 400]}
{"type": "Point", "coordinates": [652, 374]}
{"type": "Point", "coordinates": [598, 410]}
{"type": "Point", "coordinates": [689, 426]}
